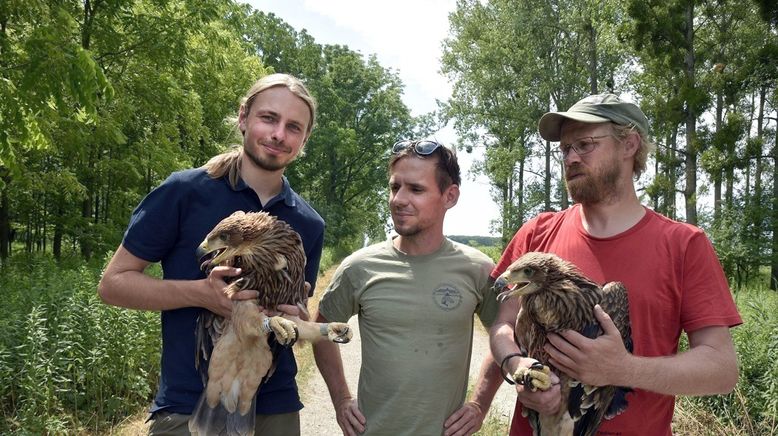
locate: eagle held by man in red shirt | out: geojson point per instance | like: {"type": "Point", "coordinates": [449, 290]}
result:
{"type": "Point", "coordinates": [556, 296]}
{"type": "Point", "coordinates": [238, 352]}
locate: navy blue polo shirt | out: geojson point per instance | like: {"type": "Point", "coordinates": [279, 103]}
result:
{"type": "Point", "coordinates": [167, 226]}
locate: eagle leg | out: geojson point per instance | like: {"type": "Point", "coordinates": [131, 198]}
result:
{"type": "Point", "coordinates": [285, 330]}
{"type": "Point", "coordinates": [535, 377]}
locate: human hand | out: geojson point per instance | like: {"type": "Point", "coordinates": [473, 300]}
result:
{"type": "Point", "coordinates": [595, 362]}
{"type": "Point", "coordinates": [216, 298]}
{"type": "Point", "coordinates": [465, 421]}
{"type": "Point", "coordinates": [350, 418]}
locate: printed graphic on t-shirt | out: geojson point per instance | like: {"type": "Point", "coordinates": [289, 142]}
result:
{"type": "Point", "coordinates": [447, 297]}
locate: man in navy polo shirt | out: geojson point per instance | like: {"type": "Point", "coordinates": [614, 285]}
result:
{"type": "Point", "coordinates": [275, 118]}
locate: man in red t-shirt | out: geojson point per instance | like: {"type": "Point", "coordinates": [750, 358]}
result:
{"type": "Point", "coordinates": [673, 277]}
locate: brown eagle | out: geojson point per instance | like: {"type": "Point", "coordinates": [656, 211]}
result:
{"type": "Point", "coordinates": [272, 261]}
{"type": "Point", "coordinates": [556, 296]}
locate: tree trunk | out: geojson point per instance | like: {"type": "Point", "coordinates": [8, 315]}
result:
{"type": "Point", "coordinates": [774, 212]}
{"type": "Point", "coordinates": [592, 33]}
{"type": "Point", "coordinates": [690, 193]}
{"type": "Point", "coordinates": [5, 222]}
{"type": "Point", "coordinates": [546, 179]}
{"type": "Point", "coordinates": [717, 171]}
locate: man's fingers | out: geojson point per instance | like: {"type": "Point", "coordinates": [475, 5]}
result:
{"type": "Point", "coordinates": [607, 324]}
{"type": "Point", "coordinates": [220, 272]}
{"type": "Point", "coordinates": [245, 294]}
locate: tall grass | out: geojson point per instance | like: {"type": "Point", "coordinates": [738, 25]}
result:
{"type": "Point", "coordinates": [68, 362]}
{"type": "Point", "coordinates": [752, 408]}
{"type": "Point", "coordinates": [71, 364]}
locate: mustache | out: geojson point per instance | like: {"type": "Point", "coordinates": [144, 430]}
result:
{"type": "Point", "coordinates": [573, 170]}
{"type": "Point", "coordinates": [277, 144]}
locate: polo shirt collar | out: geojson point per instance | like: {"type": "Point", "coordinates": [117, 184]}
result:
{"type": "Point", "coordinates": [286, 195]}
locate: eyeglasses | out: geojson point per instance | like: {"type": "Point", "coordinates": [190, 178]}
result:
{"type": "Point", "coordinates": [422, 148]}
{"type": "Point", "coordinates": [581, 146]}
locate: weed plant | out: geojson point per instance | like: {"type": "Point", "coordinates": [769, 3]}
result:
{"type": "Point", "coordinates": [68, 362]}
{"type": "Point", "coordinates": [752, 408]}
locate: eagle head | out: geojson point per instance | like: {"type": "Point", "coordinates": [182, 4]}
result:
{"type": "Point", "coordinates": [234, 237]}
{"type": "Point", "coordinates": [528, 274]}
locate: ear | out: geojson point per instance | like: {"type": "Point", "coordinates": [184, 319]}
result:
{"type": "Point", "coordinates": [242, 116]}
{"type": "Point", "coordinates": [631, 145]}
{"type": "Point", "coordinates": [451, 194]}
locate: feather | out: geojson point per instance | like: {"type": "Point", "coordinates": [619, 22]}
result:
{"type": "Point", "coordinates": [556, 296]}
{"type": "Point", "coordinates": [237, 352]}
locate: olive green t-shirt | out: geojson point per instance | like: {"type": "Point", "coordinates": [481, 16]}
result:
{"type": "Point", "coordinates": [416, 323]}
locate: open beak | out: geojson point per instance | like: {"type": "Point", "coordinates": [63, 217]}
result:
{"type": "Point", "coordinates": [208, 257]}
{"type": "Point", "coordinates": [508, 290]}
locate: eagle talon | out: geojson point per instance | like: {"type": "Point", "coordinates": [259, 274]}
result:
{"type": "Point", "coordinates": [537, 376]}
{"type": "Point", "coordinates": [285, 330]}
{"type": "Point", "coordinates": [339, 332]}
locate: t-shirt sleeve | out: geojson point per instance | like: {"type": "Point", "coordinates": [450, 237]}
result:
{"type": "Point", "coordinates": [707, 300]}
{"type": "Point", "coordinates": [313, 259]}
{"type": "Point", "coordinates": [339, 302]}
{"type": "Point", "coordinates": [153, 226]}
{"type": "Point", "coordinates": [519, 245]}
{"type": "Point", "coordinates": [487, 311]}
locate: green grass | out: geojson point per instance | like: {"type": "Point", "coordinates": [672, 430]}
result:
{"type": "Point", "coordinates": [71, 364]}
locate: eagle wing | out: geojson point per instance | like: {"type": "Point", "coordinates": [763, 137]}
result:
{"type": "Point", "coordinates": [240, 352]}
{"type": "Point", "coordinates": [556, 296]}
{"type": "Point", "coordinates": [588, 405]}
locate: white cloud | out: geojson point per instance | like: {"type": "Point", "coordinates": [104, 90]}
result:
{"type": "Point", "coordinates": [406, 36]}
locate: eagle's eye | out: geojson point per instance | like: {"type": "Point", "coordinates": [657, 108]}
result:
{"type": "Point", "coordinates": [528, 272]}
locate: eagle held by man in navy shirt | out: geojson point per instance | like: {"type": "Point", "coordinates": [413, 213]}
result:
{"type": "Point", "coordinates": [239, 351]}
{"type": "Point", "coordinates": [556, 296]}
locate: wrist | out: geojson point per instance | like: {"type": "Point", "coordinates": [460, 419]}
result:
{"type": "Point", "coordinates": [506, 370]}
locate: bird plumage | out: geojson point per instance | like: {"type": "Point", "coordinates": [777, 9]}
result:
{"type": "Point", "coordinates": [238, 352]}
{"type": "Point", "coordinates": [556, 296]}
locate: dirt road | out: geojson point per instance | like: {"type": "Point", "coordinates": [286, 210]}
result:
{"type": "Point", "coordinates": [318, 416]}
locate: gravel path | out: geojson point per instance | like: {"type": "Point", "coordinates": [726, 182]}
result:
{"type": "Point", "coordinates": [318, 416]}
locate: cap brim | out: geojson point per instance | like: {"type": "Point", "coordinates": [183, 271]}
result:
{"type": "Point", "coordinates": [550, 124]}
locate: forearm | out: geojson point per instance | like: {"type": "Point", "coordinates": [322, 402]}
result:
{"type": "Point", "coordinates": [330, 364]}
{"type": "Point", "coordinates": [702, 370]}
{"type": "Point", "coordinates": [136, 290]}
{"type": "Point", "coordinates": [125, 285]}
{"type": "Point", "coordinates": [489, 380]}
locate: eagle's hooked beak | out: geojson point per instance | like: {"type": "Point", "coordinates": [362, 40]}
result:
{"type": "Point", "coordinates": [208, 256]}
{"type": "Point", "coordinates": [507, 291]}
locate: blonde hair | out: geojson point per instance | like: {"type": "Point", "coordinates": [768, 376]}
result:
{"type": "Point", "coordinates": [644, 148]}
{"type": "Point", "coordinates": [228, 163]}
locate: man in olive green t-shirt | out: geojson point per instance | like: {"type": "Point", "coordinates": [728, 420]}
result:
{"type": "Point", "coordinates": [415, 296]}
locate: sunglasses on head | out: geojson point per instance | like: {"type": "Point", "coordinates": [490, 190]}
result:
{"type": "Point", "coordinates": [422, 148]}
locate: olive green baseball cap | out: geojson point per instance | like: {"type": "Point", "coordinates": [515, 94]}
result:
{"type": "Point", "coordinates": [598, 108]}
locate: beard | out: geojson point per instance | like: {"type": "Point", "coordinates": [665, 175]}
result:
{"type": "Point", "coordinates": [406, 230]}
{"type": "Point", "coordinates": [267, 163]}
{"type": "Point", "coordinates": [597, 187]}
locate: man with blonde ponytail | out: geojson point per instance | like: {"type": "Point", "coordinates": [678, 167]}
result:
{"type": "Point", "coordinates": [275, 119]}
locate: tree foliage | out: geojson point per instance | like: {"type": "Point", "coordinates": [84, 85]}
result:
{"type": "Point", "coordinates": [703, 71]}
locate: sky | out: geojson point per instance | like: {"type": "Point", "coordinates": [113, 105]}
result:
{"type": "Point", "coordinates": [406, 36]}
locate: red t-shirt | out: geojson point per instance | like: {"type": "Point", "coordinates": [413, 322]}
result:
{"type": "Point", "coordinates": [674, 282]}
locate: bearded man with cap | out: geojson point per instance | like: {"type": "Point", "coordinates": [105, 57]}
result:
{"type": "Point", "coordinates": [674, 279]}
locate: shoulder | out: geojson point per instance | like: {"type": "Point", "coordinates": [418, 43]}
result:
{"type": "Point", "coordinates": [545, 223]}
{"type": "Point", "coordinates": [193, 179]}
{"type": "Point", "coordinates": [673, 230]}
{"type": "Point", "coordinates": [374, 252]}
{"type": "Point", "coordinates": [306, 210]}
{"type": "Point", "coordinates": [473, 254]}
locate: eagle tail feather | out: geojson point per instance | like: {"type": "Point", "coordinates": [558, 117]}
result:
{"type": "Point", "coordinates": [618, 403]}
{"type": "Point", "coordinates": [206, 420]}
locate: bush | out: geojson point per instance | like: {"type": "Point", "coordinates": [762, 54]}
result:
{"type": "Point", "coordinates": [68, 361]}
